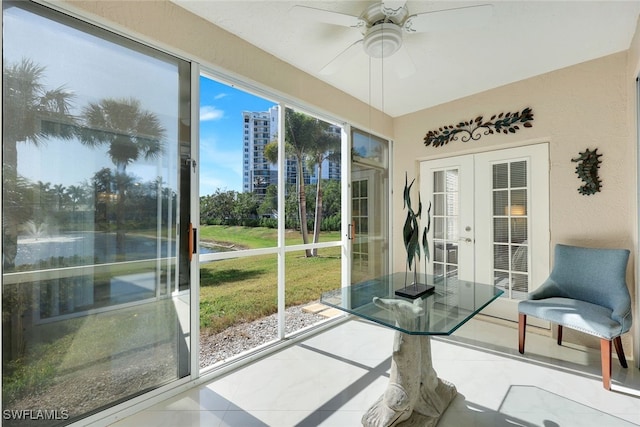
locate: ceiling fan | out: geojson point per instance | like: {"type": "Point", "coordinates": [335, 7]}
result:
{"type": "Point", "coordinates": [384, 24]}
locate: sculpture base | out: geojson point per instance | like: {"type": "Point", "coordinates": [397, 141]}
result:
{"type": "Point", "coordinates": [414, 291]}
{"type": "Point", "coordinates": [415, 396]}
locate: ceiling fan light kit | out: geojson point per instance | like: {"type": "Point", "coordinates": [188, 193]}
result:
{"type": "Point", "coordinates": [382, 40]}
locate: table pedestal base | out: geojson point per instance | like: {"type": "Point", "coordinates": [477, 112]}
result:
{"type": "Point", "coordinates": [415, 395]}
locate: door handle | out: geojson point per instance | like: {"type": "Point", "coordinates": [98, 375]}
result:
{"type": "Point", "coordinates": [465, 240]}
{"type": "Point", "coordinates": [193, 240]}
{"type": "Point", "coordinates": [351, 233]}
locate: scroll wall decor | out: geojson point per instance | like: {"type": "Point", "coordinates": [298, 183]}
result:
{"type": "Point", "coordinates": [587, 170]}
{"type": "Point", "coordinates": [474, 129]}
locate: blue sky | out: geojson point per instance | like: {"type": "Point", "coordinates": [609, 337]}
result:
{"type": "Point", "coordinates": [221, 133]}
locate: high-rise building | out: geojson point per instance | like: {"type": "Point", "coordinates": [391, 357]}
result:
{"type": "Point", "coordinates": [260, 128]}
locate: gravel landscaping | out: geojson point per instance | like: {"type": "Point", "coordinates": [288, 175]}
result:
{"type": "Point", "coordinates": [246, 336]}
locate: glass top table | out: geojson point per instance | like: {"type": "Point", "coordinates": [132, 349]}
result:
{"type": "Point", "coordinates": [452, 303]}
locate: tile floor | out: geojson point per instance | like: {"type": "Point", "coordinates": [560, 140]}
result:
{"type": "Point", "coordinates": [330, 379]}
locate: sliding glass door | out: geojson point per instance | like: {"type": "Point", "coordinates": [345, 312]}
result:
{"type": "Point", "coordinates": [95, 212]}
{"type": "Point", "coordinates": [369, 231]}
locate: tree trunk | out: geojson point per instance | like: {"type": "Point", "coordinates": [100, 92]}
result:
{"type": "Point", "coordinates": [318, 215]}
{"type": "Point", "coordinates": [120, 214]}
{"type": "Point", "coordinates": [120, 231]}
{"type": "Point", "coordinates": [302, 207]}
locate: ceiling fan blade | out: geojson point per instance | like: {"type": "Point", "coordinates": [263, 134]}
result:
{"type": "Point", "coordinates": [449, 19]}
{"type": "Point", "coordinates": [326, 16]}
{"type": "Point", "coordinates": [402, 63]}
{"type": "Point", "coordinates": [341, 59]}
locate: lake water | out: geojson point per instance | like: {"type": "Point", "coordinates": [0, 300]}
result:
{"type": "Point", "coordinates": [100, 246]}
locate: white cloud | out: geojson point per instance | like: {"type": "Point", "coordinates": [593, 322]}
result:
{"type": "Point", "coordinates": [220, 95]}
{"type": "Point", "coordinates": [210, 113]}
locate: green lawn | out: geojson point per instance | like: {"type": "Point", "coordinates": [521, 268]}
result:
{"type": "Point", "coordinates": [245, 289]}
{"type": "Point", "coordinates": [255, 237]}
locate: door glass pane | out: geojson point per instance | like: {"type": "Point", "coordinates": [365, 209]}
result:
{"type": "Point", "coordinates": [500, 175]}
{"type": "Point", "coordinates": [95, 282]}
{"type": "Point", "coordinates": [519, 229]}
{"type": "Point", "coordinates": [445, 222]}
{"type": "Point", "coordinates": [518, 202]}
{"type": "Point", "coordinates": [511, 228]}
{"type": "Point", "coordinates": [438, 204]}
{"type": "Point", "coordinates": [370, 190]}
{"type": "Point", "coordinates": [500, 203]}
{"type": "Point", "coordinates": [501, 257]}
{"type": "Point", "coordinates": [520, 285]}
{"type": "Point", "coordinates": [500, 230]}
{"type": "Point", "coordinates": [438, 182]}
{"type": "Point", "coordinates": [520, 258]}
{"type": "Point", "coordinates": [451, 181]}
{"type": "Point", "coordinates": [518, 174]}
{"type": "Point", "coordinates": [438, 227]}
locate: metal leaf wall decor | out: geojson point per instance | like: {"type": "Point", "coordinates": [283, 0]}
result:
{"type": "Point", "coordinates": [587, 170]}
{"type": "Point", "coordinates": [474, 129]}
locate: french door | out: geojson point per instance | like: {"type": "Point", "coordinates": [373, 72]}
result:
{"type": "Point", "coordinates": [490, 220]}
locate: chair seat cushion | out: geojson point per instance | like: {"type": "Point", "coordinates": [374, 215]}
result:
{"type": "Point", "coordinates": [586, 317]}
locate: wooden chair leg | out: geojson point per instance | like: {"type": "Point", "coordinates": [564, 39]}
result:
{"type": "Point", "coordinates": [559, 334]}
{"type": "Point", "coordinates": [522, 325]}
{"type": "Point", "coordinates": [605, 355]}
{"type": "Point", "coordinates": [617, 342]}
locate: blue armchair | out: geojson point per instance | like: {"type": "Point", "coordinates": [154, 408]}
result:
{"type": "Point", "coordinates": [586, 291]}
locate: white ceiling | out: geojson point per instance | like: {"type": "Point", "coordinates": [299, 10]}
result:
{"type": "Point", "coordinates": [521, 40]}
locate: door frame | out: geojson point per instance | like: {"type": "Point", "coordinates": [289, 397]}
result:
{"type": "Point", "coordinates": [347, 208]}
{"type": "Point", "coordinates": [539, 266]}
{"type": "Point", "coordinates": [538, 219]}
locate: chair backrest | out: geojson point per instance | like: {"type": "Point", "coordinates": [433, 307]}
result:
{"type": "Point", "coordinates": [592, 275]}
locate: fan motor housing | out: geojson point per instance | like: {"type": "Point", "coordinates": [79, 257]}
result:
{"type": "Point", "coordinates": [377, 13]}
{"type": "Point", "coordinates": [382, 40]}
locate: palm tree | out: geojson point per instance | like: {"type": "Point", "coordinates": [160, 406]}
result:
{"type": "Point", "coordinates": [327, 147]}
{"type": "Point", "coordinates": [76, 195]}
{"type": "Point", "coordinates": [42, 201]}
{"type": "Point", "coordinates": [131, 133]}
{"type": "Point", "coordinates": [31, 115]}
{"type": "Point", "coordinates": [303, 134]}
{"type": "Point", "coordinates": [59, 192]}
